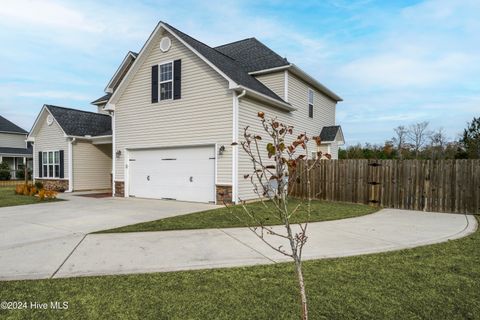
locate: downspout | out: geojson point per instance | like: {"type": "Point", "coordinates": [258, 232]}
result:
{"type": "Point", "coordinates": [70, 164]}
{"type": "Point", "coordinates": [114, 163]}
{"type": "Point", "coordinates": [236, 102]}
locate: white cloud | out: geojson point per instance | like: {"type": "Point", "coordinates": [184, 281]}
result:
{"type": "Point", "coordinates": [54, 95]}
{"type": "Point", "coordinates": [47, 13]}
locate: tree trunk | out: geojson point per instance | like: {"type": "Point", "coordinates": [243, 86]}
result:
{"type": "Point", "coordinates": [303, 294]}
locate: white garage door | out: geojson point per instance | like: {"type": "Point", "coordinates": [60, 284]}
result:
{"type": "Point", "coordinates": [186, 174]}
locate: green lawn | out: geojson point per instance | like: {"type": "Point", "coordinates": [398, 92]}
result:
{"type": "Point", "coordinates": [8, 198]}
{"type": "Point", "coordinates": [434, 282]}
{"type": "Point", "coordinates": [223, 218]}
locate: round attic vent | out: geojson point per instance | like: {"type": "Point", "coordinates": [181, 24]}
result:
{"type": "Point", "coordinates": [49, 119]}
{"type": "Point", "coordinates": [165, 44]}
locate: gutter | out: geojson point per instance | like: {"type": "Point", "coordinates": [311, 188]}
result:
{"type": "Point", "coordinates": [264, 98]}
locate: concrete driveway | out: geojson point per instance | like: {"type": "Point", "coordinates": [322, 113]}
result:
{"type": "Point", "coordinates": [36, 239]}
{"type": "Point", "coordinates": [49, 240]}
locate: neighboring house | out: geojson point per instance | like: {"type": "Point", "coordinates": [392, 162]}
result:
{"type": "Point", "coordinates": [178, 105]}
{"type": "Point", "coordinates": [14, 148]}
{"type": "Point", "coordinates": [72, 149]}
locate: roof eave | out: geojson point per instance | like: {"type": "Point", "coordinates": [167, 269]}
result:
{"type": "Point", "coordinates": [122, 67]}
{"type": "Point", "coordinates": [264, 98]}
{"type": "Point", "coordinates": [97, 103]}
{"type": "Point", "coordinates": [14, 132]}
{"type": "Point", "coordinates": [308, 78]}
{"type": "Point", "coordinates": [270, 70]}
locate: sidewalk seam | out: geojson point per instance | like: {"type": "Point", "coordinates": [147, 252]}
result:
{"type": "Point", "coordinates": [246, 245]}
{"type": "Point", "coordinates": [69, 255]}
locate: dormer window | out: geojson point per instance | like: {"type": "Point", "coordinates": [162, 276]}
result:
{"type": "Point", "coordinates": [166, 81]}
{"type": "Point", "coordinates": [310, 103]}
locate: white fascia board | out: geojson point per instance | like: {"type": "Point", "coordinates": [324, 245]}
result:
{"type": "Point", "coordinates": [311, 80]}
{"type": "Point", "coordinates": [90, 138]}
{"type": "Point", "coordinates": [35, 124]}
{"type": "Point", "coordinates": [109, 107]}
{"type": "Point", "coordinates": [111, 83]}
{"type": "Point", "coordinates": [100, 102]}
{"type": "Point", "coordinates": [214, 67]}
{"type": "Point", "coordinates": [258, 72]}
{"type": "Point", "coordinates": [141, 57]}
{"type": "Point", "coordinates": [267, 99]}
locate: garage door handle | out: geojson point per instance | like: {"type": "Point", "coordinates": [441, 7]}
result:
{"type": "Point", "coordinates": [191, 179]}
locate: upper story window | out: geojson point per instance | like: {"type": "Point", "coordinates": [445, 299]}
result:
{"type": "Point", "coordinates": [166, 81]}
{"type": "Point", "coordinates": [310, 103]}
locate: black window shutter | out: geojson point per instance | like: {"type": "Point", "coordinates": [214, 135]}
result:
{"type": "Point", "coordinates": [177, 79]}
{"type": "Point", "coordinates": [40, 164]}
{"type": "Point", "coordinates": [154, 84]}
{"type": "Point", "coordinates": [62, 166]}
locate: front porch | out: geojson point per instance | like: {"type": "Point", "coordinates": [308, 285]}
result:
{"type": "Point", "coordinates": [17, 164]}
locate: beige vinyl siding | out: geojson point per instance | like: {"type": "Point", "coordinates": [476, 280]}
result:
{"type": "Point", "coordinates": [274, 81]}
{"type": "Point", "coordinates": [92, 166]}
{"type": "Point", "coordinates": [202, 116]}
{"type": "Point", "coordinates": [12, 140]}
{"type": "Point", "coordinates": [50, 138]}
{"type": "Point", "coordinates": [323, 107]}
{"type": "Point", "coordinates": [248, 116]}
{"type": "Point", "coordinates": [323, 115]}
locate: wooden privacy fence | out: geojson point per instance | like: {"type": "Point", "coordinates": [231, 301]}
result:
{"type": "Point", "coordinates": [12, 183]}
{"type": "Point", "coordinates": [429, 185]}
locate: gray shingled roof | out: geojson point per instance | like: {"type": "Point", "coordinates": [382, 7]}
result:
{"type": "Point", "coordinates": [8, 126]}
{"type": "Point", "coordinates": [329, 133]}
{"type": "Point", "coordinates": [252, 55]}
{"type": "Point", "coordinates": [233, 69]}
{"type": "Point", "coordinates": [102, 98]}
{"type": "Point", "coordinates": [81, 123]}
{"type": "Point", "coordinates": [20, 151]}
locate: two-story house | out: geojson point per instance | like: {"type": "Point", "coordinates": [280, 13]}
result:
{"type": "Point", "coordinates": [177, 106]}
{"type": "Point", "coordinates": [14, 148]}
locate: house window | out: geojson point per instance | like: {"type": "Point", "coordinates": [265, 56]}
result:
{"type": "Point", "coordinates": [310, 103]}
{"type": "Point", "coordinates": [51, 164]}
{"type": "Point", "coordinates": [166, 81]}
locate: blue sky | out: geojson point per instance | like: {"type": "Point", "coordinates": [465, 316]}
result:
{"type": "Point", "coordinates": [393, 62]}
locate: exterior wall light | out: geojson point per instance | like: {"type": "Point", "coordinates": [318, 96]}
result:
{"type": "Point", "coordinates": [221, 150]}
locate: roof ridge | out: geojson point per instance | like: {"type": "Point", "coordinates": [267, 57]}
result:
{"type": "Point", "coordinates": [229, 43]}
{"type": "Point", "coordinates": [78, 110]}
{"type": "Point", "coordinates": [176, 30]}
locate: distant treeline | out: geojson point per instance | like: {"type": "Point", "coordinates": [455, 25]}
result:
{"type": "Point", "coordinates": [417, 141]}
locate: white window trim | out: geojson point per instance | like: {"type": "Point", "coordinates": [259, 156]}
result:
{"type": "Point", "coordinates": [49, 164]}
{"type": "Point", "coordinates": [160, 82]}
{"type": "Point", "coordinates": [312, 103]}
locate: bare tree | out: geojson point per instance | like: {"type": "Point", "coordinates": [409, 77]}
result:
{"type": "Point", "coordinates": [417, 134]}
{"type": "Point", "coordinates": [438, 142]}
{"type": "Point", "coordinates": [275, 163]}
{"type": "Point", "coordinates": [399, 140]}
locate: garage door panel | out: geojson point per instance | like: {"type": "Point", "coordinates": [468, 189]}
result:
{"type": "Point", "coordinates": [184, 174]}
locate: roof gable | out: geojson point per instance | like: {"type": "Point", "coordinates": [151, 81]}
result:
{"type": "Point", "coordinates": [10, 127]}
{"type": "Point", "coordinates": [252, 55]}
{"type": "Point", "coordinates": [238, 78]}
{"type": "Point", "coordinates": [80, 123]}
{"type": "Point", "coordinates": [331, 133]}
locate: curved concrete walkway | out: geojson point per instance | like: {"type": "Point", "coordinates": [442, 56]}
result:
{"type": "Point", "coordinates": [386, 230]}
